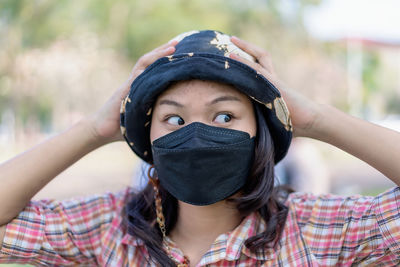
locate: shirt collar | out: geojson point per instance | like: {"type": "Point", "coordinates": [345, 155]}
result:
{"type": "Point", "coordinates": [132, 241]}
{"type": "Point", "coordinates": [229, 246]}
{"type": "Point", "coordinates": [251, 225]}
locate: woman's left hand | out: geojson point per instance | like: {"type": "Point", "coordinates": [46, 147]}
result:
{"type": "Point", "coordinates": [303, 112]}
{"type": "Point", "coordinates": [376, 145]}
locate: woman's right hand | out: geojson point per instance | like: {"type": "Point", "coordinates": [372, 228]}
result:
{"type": "Point", "coordinates": [46, 160]}
{"type": "Point", "coordinates": [105, 123]}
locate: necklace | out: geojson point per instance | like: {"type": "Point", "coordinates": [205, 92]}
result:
{"type": "Point", "coordinates": [161, 221]}
{"type": "Point", "coordinates": [186, 261]}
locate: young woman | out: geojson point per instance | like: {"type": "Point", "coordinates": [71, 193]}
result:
{"type": "Point", "coordinates": [206, 112]}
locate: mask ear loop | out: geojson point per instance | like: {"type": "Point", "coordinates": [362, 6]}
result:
{"type": "Point", "coordinates": [157, 198]}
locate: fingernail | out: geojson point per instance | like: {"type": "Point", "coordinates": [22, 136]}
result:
{"type": "Point", "coordinates": [173, 41]}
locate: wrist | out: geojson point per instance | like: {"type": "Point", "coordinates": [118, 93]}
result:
{"type": "Point", "coordinates": [92, 138]}
{"type": "Point", "coordinates": [322, 123]}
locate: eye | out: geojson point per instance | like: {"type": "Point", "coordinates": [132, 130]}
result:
{"type": "Point", "coordinates": [223, 118]}
{"type": "Point", "coordinates": [175, 120]}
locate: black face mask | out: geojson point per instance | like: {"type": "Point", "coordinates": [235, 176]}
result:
{"type": "Point", "coordinates": [200, 164]}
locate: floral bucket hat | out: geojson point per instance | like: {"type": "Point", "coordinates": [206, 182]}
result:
{"type": "Point", "coordinates": [202, 55]}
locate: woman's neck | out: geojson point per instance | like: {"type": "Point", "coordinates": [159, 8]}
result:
{"type": "Point", "coordinates": [203, 224]}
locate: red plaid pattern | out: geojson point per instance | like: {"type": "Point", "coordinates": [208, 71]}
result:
{"type": "Point", "coordinates": [323, 230]}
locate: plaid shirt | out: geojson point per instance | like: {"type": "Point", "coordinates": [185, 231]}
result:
{"type": "Point", "coordinates": [324, 230]}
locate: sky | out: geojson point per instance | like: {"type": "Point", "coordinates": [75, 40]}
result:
{"type": "Point", "coordinates": [376, 20]}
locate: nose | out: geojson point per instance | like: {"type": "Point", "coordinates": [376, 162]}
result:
{"type": "Point", "coordinates": [198, 117]}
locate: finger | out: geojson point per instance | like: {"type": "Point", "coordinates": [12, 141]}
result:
{"type": "Point", "coordinates": [257, 67]}
{"type": "Point", "coordinates": [251, 64]}
{"type": "Point", "coordinates": [248, 47]}
{"type": "Point", "coordinates": [149, 58]}
{"type": "Point", "coordinates": [144, 62]}
{"type": "Point", "coordinates": [164, 46]}
{"type": "Point", "coordinates": [260, 54]}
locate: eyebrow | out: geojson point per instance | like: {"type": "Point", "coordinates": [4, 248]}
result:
{"type": "Point", "coordinates": [213, 102]}
{"type": "Point", "coordinates": [170, 102]}
{"type": "Point", "coordinates": [223, 98]}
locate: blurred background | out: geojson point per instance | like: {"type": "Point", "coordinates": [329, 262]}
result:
{"type": "Point", "coordinates": [61, 60]}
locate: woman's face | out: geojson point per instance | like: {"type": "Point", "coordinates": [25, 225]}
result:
{"type": "Point", "coordinates": [208, 102]}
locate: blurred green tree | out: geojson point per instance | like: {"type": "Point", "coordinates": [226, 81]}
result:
{"type": "Point", "coordinates": [128, 28]}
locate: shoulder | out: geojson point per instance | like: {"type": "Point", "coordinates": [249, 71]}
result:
{"type": "Point", "coordinates": [348, 228]}
{"type": "Point", "coordinates": [306, 206]}
{"type": "Point", "coordinates": [104, 202]}
{"type": "Point", "coordinates": [57, 231]}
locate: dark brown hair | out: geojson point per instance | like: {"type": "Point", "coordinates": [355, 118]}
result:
{"type": "Point", "coordinates": [258, 194]}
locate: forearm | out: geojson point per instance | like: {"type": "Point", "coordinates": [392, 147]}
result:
{"type": "Point", "coordinates": [23, 176]}
{"type": "Point", "coordinates": [376, 145]}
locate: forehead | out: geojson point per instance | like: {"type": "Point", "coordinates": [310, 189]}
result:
{"type": "Point", "coordinates": [199, 88]}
